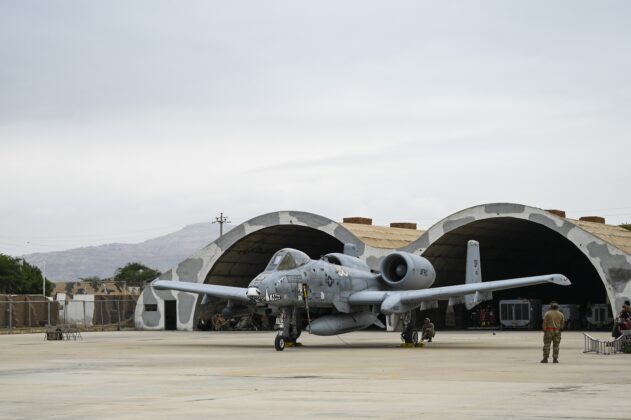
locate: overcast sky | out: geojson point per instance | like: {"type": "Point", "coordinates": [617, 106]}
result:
{"type": "Point", "coordinates": [124, 120]}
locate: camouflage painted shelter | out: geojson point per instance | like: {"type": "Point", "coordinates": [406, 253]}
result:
{"type": "Point", "coordinates": [515, 240]}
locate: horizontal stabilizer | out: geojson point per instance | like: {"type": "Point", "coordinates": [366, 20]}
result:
{"type": "Point", "coordinates": [472, 300]}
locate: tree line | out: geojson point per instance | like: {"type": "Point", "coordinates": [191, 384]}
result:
{"type": "Point", "coordinates": [21, 278]}
{"type": "Point", "coordinates": [18, 277]}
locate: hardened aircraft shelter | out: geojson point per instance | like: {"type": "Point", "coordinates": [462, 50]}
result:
{"type": "Point", "coordinates": [515, 241]}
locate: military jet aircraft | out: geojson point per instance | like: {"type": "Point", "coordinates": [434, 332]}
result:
{"type": "Point", "coordinates": [342, 294]}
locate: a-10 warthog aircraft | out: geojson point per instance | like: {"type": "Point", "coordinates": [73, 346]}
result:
{"type": "Point", "coordinates": [340, 293]}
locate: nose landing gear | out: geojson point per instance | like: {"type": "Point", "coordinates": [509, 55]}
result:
{"type": "Point", "coordinates": [288, 336]}
{"type": "Point", "coordinates": [279, 343]}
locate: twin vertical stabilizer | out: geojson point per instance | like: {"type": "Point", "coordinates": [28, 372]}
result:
{"type": "Point", "coordinates": [474, 275]}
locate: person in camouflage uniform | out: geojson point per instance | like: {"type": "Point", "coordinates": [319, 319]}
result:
{"type": "Point", "coordinates": [623, 322]}
{"type": "Point", "coordinates": [553, 323]}
{"type": "Point", "coordinates": [427, 331]}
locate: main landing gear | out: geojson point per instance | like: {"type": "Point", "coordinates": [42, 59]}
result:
{"type": "Point", "coordinates": [290, 332]}
{"type": "Point", "coordinates": [409, 336]}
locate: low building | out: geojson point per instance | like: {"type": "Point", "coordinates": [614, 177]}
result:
{"type": "Point", "coordinates": [96, 303]}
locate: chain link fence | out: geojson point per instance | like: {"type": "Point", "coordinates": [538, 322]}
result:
{"type": "Point", "coordinates": [19, 313]}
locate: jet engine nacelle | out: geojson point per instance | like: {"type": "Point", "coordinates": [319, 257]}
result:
{"type": "Point", "coordinates": [405, 271]}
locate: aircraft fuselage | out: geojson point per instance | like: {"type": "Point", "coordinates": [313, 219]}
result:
{"type": "Point", "coordinates": [317, 284]}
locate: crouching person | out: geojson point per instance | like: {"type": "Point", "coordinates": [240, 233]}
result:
{"type": "Point", "coordinates": [427, 332]}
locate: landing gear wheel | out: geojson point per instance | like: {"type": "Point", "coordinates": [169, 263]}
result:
{"type": "Point", "coordinates": [279, 343]}
{"type": "Point", "coordinates": [409, 336]}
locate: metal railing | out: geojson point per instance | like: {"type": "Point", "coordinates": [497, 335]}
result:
{"type": "Point", "coordinates": [84, 314]}
{"type": "Point", "coordinates": [594, 345]}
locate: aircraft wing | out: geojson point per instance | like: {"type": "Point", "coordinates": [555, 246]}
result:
{"type": "Point", "coordinates": [225, 292]}
{"type": "Point", "coordinates": [399, 301]}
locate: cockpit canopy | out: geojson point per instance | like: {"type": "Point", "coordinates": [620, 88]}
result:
{"type": "Point", "coordinates": [287, 259]}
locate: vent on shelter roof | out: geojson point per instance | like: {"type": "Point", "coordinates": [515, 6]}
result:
{"type": "Point", "coordinates": [560, 213]}
{"type": "Point", "coordinates": [403, 225]}
{"type": "Point", "coordinates": [595, 219]}
{"type": "Point", "coordinates": [358, 220]}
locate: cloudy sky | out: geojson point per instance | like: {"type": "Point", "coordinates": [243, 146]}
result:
{"type": "Point", "coordinates": [124, 120]}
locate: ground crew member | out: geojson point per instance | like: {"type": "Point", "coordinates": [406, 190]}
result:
{"type": "Point", "coordinates": [553, 323]}
{"type": "Point", "coordinates": [427, 332]}
{"type": "Point", "coordinates": [219, 322]}
{"type": "Point", "coordinates": [626, 310]}
{"type": "Point", "coordinates": [623, 322]}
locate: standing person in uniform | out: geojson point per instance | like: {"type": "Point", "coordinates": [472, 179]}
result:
{"type": "Point", "coordinates": [623, 322]}
{"type": "Point", "coordinates": [427, 331]}
{"type": "Point", "coordinates": [553, 323]}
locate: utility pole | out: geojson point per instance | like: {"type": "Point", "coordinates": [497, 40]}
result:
{"type": "Point", "coordinates": [44, 279]}
{"type": "Point", "coordinates": [221, 220]}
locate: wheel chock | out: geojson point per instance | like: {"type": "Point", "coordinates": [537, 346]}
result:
{"type": "Point", "coordinates": [291, 344]}
{"type": "Point", "coordinates": [410, 345]}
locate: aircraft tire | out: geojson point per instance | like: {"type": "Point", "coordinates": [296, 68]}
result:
{"type": "Point", "coordinates": [408, 334]}
{"type": "Point", "coordinates": [414, 337]}
{"type": "Point", "coordinates": [279, 343]}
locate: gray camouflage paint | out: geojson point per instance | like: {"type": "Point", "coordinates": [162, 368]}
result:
{"type": "Point", "coordinates": [196, 268]}
{"type": "Point", "coordinates": [612, 264]}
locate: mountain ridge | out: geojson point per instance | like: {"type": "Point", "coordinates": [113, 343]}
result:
{"type": "Point", "coordinates": [160, 253]}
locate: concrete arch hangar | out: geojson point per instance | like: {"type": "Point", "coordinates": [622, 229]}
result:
{"type": "Point", "coordinates": [518, 241]}
{"type": "Point", "coordinates": [515, 241]}
{"type": "Point", "coordinates": [236, 258]}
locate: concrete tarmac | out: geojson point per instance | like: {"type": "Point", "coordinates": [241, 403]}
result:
{"type": "Point", "coordinates": [166, 375]}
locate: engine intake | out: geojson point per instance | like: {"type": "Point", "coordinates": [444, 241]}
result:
{"type": "Point", "coordinates": [405, 271]}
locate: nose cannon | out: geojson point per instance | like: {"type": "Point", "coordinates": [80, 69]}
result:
{"type": "Point", "coordinates": [264, 288]}
{"type": "Point", "coordinates": [253, 293]}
